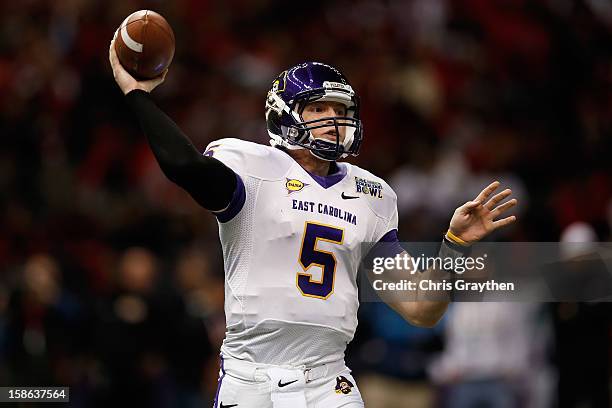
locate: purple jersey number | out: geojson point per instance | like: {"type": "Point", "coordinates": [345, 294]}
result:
{"type": "Point", "coordinates": [311, 256]}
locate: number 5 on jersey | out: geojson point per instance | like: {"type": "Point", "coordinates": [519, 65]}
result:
{"type": "Point", "coordinates": [311, 256]}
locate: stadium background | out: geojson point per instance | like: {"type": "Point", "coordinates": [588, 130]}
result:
{"type": "Point", "coordinates": [111, 277]}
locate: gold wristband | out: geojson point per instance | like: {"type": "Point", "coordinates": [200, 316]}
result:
{"type": "Point", "coordinates": [456, 239]}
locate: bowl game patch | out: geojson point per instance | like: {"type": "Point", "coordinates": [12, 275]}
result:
{"type": "Point", "coordinates": [367, 187]}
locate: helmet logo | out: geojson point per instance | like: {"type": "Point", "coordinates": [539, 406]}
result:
{"type": "Point", "coordinates": [277, 86]}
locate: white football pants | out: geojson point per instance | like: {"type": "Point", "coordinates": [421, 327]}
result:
{"type": "Point", "coordinates": [249, 385]}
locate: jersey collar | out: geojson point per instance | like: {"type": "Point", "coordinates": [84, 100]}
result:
{"type": "Point", "coordinates": [331, 179]}
{"type": "Point", "coordinates": [328, 181]}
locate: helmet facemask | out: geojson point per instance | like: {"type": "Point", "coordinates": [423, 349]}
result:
{"type": "Point", "coordinates": [322, 147]}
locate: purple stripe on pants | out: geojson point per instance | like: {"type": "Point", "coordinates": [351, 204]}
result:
{"type": "Point", "coordinates": [219, 384]}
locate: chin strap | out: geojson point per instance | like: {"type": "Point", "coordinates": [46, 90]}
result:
{"type": "Point", "coordinates": [279, 142]}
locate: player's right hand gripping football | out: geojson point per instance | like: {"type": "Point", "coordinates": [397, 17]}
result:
{"type": "Point", "coordinates": [125, 81]}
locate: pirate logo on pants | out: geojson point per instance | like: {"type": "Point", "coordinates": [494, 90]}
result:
{"type": "Point", "coordinates": [343, 385]}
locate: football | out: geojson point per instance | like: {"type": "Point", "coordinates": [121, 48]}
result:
{"type": "Point", "coordinates": [145, 44]}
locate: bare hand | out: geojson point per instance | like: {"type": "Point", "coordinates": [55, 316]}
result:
{"type": "Point", "coordinates": [475, 219]}
{"type": "Point", "coordinates": [125, 81]}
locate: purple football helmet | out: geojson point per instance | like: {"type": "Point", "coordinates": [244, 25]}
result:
{"type": "Point", "coordinates": [303, 84]}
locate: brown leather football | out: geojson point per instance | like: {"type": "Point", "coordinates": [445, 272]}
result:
{"type": "Point", "coordinates": [145, 44]}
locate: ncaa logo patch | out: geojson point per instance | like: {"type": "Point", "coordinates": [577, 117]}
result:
{"type": "Point", "coordinates": [367, 187]}
{"type": "Point", "coordinates": [343, 386]}
{"type": "Point", "coordinates": [294, 185]}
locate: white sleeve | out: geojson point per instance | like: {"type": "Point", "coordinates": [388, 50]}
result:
{"type": "Point", "coordinates": [233, 155]}
{"type": "Point", "coordinates": [231, 152]}
{"type": "Point", "coordinates": [389, 213]}
{"type": "Point", "coordinates": [250, 159]}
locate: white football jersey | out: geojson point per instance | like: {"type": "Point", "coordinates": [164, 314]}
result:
{"type": "Point", "coordinates": [291, 248]}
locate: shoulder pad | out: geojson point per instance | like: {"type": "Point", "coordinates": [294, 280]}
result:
{"type": "Point", "coordinates": [250, 159]}
{"type": "Point", "coordinates": [380, 196]}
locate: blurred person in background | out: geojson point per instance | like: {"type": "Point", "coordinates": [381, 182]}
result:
{"type": "Point", "coordinates": [134, 335]}
{"type": "Point", "coordinates": [45, 326]}
{"type": "Point", "coordinates": [4, 301]}
{"type": "Point", "coordinates": [201, 328]}
{"type": "Point", "coordinates": [154, 331]}
{"type": "Point", "coordinates": [496, 355]}
{"type": "Point", "coordinates": [391, 358]}
{"type": "Point", "coordinates": [584, 335]}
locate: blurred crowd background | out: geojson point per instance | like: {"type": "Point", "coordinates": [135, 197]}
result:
{"type": "Point", "coordinates": [111, 278]}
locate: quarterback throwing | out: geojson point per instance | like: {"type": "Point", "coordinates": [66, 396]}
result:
{"type": "Point", "coordinates": [291, 219]}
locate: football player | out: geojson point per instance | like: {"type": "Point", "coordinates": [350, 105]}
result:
{"type": "Point", "coordinates": [291, 220]}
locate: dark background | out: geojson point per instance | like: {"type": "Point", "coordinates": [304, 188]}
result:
{"type": "Point", "coordinates": [111, 278]}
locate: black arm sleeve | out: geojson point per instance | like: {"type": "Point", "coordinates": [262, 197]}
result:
{"type": "Point", "coordinates": [179, 159]}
